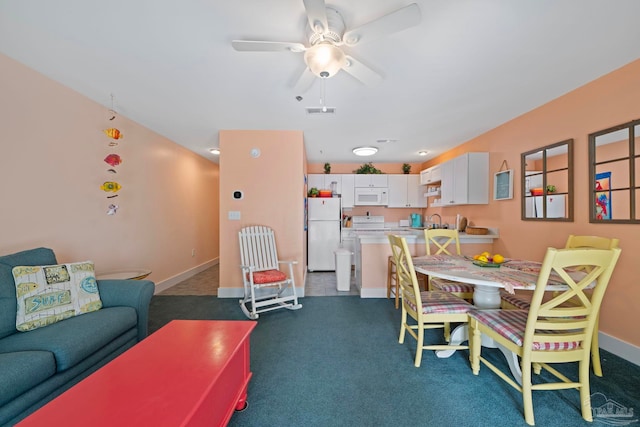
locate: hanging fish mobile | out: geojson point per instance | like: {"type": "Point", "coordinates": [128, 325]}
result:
{"type": "Point", "coordinates": [113, 133]}
{"type": "Point", "coordinates": [113, 160]}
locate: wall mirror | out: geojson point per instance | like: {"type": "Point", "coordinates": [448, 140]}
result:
{"type": "Point", "coordinates": [614, 174]}
{"type": "Point", "coordinates": [547, 183]}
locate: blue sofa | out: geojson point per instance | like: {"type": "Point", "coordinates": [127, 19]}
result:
{"type": "Point", "coordinates": [38, 365]}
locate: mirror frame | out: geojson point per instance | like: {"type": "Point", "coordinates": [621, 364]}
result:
{"type": "Point", "coordinates": [632, 188]}
{"type": "Point", "coordinates": [545, 171]}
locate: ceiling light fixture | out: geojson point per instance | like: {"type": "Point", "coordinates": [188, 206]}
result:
{"type": "Point", "coordinates": [365, 151]}
{"type": "Point", "coordinates": [215, 151]}
{"type": "Point", "coordinates": [423, 153]}
{"type": "Point", "coordinates": [324, 59]}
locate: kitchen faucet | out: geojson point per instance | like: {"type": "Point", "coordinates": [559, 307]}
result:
{"type": "Point", "coordinates": [439, 217]}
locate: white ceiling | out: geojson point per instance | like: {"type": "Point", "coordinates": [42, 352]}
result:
{"type": "Point", "coordinates": [469, 66]}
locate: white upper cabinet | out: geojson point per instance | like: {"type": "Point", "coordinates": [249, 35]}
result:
{"type": "Point", "coordinates": [347, 192]}
{"type": "Point", "coordinates": [371, 180]}
{"type": "Point", "coordinates": [465, 180]}
{"type": "Point", "coordinates": [431, 175]}
{"type": "Point", "coordinates": [322, 181]}
{"type": "Point", "coordinates": [405, 192]}
{"type": "Point", "coordinates": [344, 185]}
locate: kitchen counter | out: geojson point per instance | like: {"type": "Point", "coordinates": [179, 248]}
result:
{"type": "Point", "coordinates": [372, 250]}
{"type": "Point", "coordinates": [417, 236]}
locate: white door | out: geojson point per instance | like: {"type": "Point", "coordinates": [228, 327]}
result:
{"type": "Point", "coordinates": [323, 240]}
{"type": "Point", "coordinates": [398, 191]}
{"type": "Point", "coordinates": [347, 192]}
{"type": "Point", "coordinates": [415, 192]}
{"type": "Point", "coordinates": [324, 208]}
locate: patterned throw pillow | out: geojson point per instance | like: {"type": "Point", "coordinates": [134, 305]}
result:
{"type": "Point", "coordinates": [50, 293]}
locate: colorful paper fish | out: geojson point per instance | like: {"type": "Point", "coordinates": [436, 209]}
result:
{"type": "Point", "coordinates": [110, 186]}
{"type": "Point", "coordinates": [113, 133]}
{"type": "Point", "coordinates": [113, 160]}
{"type": "Point", "coordinates": [112, 209]}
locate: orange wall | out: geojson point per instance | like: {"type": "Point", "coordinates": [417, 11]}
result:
{"type": "Point", "coordinates": [51, 169]}
{"type": "Point", "coordinates": [605, 102]}
{"type": "Point", "coordinates": [273, 186]}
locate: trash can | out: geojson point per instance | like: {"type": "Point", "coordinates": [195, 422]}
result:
{"type": "Point", "coordinates": [343, 269]}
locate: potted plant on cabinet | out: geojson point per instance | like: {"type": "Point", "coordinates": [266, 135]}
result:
{"type": "Point", "coordinates": [327, 168]}
{"type": "Point", "coordinates": [406, 168]}
{"type": "Point", "coordinates": [313, 192]}
{"type": "Point", "coordinates": [367, 168]}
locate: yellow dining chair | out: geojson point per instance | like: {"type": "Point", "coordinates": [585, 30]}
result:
{"type": "Point", "coordinates": [428, 309]}
{"type": "Point", "coordinates": [446, 242]}
{"type": "Point", "coordinates": [392, 281]}
{"type": "Point", "coordinates": [549, 332]}
{"type": "Point", "coordinates": [523, 302]}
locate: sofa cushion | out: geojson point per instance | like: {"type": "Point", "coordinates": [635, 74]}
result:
{"type": "Point", "coordinates": [38, 256]}
{"type": "Point", "coordinates": [76, 338]}
{"type": "Point", "coordinates": [22, 370]}
{"type": "Point", "coordinates": [51, 293]}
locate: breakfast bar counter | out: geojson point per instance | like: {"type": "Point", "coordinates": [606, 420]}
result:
{"type": "Point", "coordinates": [372, 251]}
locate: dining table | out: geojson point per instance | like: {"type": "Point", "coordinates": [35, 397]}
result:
{"type": "Point", "coordinates": [488, 280]}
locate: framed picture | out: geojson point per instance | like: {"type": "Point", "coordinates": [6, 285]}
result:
{"type": "Point", "coordinates": [503, 185]}
{"type": "Point", "coordinates": [603, 195]}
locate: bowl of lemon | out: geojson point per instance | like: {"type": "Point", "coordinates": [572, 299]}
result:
{"type": "Point", "coordinates": [485, 259]}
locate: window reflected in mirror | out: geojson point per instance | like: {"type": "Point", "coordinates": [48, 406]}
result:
{"type": "Point", "coordinates": [614, 174]}
{"type": "Point", "coordinates": [547, 183]}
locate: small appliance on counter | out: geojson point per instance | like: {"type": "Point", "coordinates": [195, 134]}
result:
{"type": "Point", "coordinates": [416, 220]}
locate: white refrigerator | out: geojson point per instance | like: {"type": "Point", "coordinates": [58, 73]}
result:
{"type": "Point", "coordinates": [555, 206]}
{"type": "Point", "coordinates": [323, 232]}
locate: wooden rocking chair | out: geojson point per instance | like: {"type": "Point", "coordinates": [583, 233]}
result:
{"type": "Point", "coordinates": [265, 286]}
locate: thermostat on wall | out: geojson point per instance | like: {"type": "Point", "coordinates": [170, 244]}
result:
{"type": "Point", "coordinates": [238, 195]}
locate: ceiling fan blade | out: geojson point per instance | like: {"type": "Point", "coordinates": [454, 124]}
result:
{"type": "Point", "coordinates": [259, 46]}
{"type": "Point", "coordinates": [361, 72]}
{"type": "Point", "coordinates": [305, 81]}
{"type": "Point", "coordinates": [317, 15]}
{"type": "Point", "coordinates": [396, 21]}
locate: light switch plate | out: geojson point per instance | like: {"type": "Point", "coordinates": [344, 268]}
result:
{"type": "Point", "coordinates": [234, 215]}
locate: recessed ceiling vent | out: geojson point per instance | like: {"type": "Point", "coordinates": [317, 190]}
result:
{"type": "Point", "coordinates": [321, 111]}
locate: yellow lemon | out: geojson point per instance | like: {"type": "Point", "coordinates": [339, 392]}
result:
{"type": "Point", "coordinates": [476, 256]}
{"type": "Point", "coordinates": [486, 254]}
{"type": "Point", "coordinates": [483, 258]}
{"type": "Point", "coordinates": [498, 259]}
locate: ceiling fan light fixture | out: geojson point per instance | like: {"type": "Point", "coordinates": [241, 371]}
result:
{"type": "Point", "coordinates": [324, 59]}
{"type": "Point", "coordinates": [423, 153]}
{"type": "Point", "coordinates": [365, 151]}
{"type": "Point", "coordinates": [215, 151]}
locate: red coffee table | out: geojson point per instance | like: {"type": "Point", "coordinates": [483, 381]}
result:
{"type": "Point", "coordinates": [189, 373]}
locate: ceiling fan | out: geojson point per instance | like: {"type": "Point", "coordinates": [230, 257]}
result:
{"type": "Point", "coordinates": [326, 33]}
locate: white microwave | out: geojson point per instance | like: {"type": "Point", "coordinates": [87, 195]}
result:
{"type": "Point", "coordinates": [371, 196]}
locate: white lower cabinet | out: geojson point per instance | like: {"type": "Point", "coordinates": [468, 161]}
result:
{"type": "Point", "coordinates": [405, 192]}
{"type": "Point", "coordinates": [465, 180]}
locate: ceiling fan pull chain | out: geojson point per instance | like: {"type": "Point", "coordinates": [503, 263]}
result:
{"type": "Point", "coordinates": [323, 100]}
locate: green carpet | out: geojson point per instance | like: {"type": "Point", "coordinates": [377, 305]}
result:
{"type": "Point", "coordinates": [337, 362]}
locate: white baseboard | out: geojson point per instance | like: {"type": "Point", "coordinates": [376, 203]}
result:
{"type": "Point", "coordinates": [373, 292]}
{"type": "Point", "coordinates": [620, 348]}
{"type": "Point", "coordinates": [172, 281]}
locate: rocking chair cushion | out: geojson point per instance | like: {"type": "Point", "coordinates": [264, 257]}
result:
{"type": "Point", "coordinates": [268, 276]}
{"type": "Point", "coordinates": [511, 325]}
